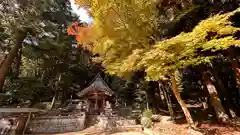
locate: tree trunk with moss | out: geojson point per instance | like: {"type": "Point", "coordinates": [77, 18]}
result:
{"type": "Point", "coordinates": [215, 100]}
{"type": "Point", "coordinates": [176, 92]}
{"type": "Point", "coordinates": [21, 34]}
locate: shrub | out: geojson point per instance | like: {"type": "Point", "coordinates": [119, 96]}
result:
{"type": "Point", "coordinates": [147, 113]}
{"type": "Point", "coordinates": [146, 120]}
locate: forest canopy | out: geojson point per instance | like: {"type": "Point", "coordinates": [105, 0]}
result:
{"type": "Point", "coordinates": [128, 39]}
{"type": "Point", "coordinates": [155, 55]}
{"type": "Point", "coordinates": [120, 54]}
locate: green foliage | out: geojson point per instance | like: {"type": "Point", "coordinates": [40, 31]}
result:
{"type": "Point", "coordinates": [140, 95]}
{"type": "Point", "coordinates": [147, 113]}
{"type": "Point", "coordinates": [21, 90]}
{"type": "Point", "coordinates": [183, 50]}
{"type": "Point", "coordinates": [146, 120]}
{"type": "Point", "coordinates": [123, 88]}
{"type": "Point", "coordinates": [47, 53]}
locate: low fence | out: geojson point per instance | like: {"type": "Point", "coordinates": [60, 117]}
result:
{"type": "Point", "coordinates": [56, 124]}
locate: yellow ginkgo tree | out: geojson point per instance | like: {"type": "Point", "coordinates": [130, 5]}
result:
{"type": "Point", "coordinates": [125, 43]}
{"type": "Point", "coordinates": [121, 27]}
{"type": "Point", "coordinates": [184, 50]}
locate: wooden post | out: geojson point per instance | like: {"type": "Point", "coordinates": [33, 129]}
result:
{"type": "Point", "coordinates": [96, 101]}
{"type": "Point", "coordinates": [95, 104]}
{"type": "Point", "coordinates": [103, 105]}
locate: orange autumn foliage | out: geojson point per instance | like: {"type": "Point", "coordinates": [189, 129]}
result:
{"type": "Point", "coordinates": [82, 34]}
{"type": "Point", "coordinates": [74, 29]}
{"type": "Point", "coordinates": [82, 3]}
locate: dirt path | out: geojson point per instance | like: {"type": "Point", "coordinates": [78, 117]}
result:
{"type": "Point", "coordinates": [162, 129]}
{"type": "Point", "coordinates": [204, 129]}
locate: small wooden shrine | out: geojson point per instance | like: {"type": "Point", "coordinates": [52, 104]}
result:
{"type": "Point", "coordinates": [98, 96]}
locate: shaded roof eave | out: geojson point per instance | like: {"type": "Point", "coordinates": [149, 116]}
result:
{"type": "Point", "coordinates": [106, 88]}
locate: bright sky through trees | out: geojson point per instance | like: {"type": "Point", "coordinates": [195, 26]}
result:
{"type": "Point", "coordinates": [81, 12]}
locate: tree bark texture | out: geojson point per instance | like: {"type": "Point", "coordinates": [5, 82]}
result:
{"type": "Point", "coordinates": [2, 59]}
{"type": "Point", "coordinates": [21, 34]}
{"type": "Point", "coordinates": [236, 68]}
{"type": "Point", "coordinates": [215, 100]}
{"type": "Point", "coordinates": [225, 95]}
{"type": "Point", "coordinates": [168, 100]}
{"type": "Point", "coordinates": [18, 62]}
{"type": "Point", "coordinates": [180, 101]}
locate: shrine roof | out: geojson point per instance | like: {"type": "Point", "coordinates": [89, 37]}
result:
{"type": "Point", "coordinates": [97, 84]}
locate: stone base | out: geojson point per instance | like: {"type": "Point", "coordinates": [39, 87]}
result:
{"type": "Point", "coordinates": [56, 124]}
{"type": "Point", "coordinates": [109, 121]}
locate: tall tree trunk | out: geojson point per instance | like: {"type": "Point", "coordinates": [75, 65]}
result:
{"type": "Point", "coordinates": [56, 91]}
{"type": "Point", "coordinates": [21, 34]}
{"type": "Point", "coordinates": [168, 100]}
{"type": "Point", "coordinates": [64, 96]}
{"type": "Point", "coordinates": [224, 93]}
{"type": "Point", "coordinates": [18, 62]}
{"type": "Point", "coordinates": [161, 94]}
{"type": "Point", "coordinates": [236, 68]}
{"type": "Point", "coordinates": [43, 75]}
{"type": "Point", "coordinates": [2, 59]}
{"type": "Point", "coordinates": [204, 97]}
{"type": "Point", "coordinates": [180, 101]}
{"type": "Point", "coordinates": [152, 96]}
{"type": "Point", "coordinates": [215, 101]}
{"type": "Point", "coordinates": [53, 101]}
